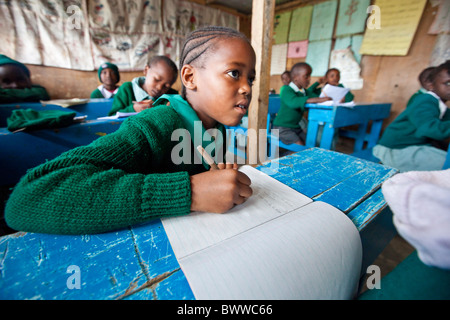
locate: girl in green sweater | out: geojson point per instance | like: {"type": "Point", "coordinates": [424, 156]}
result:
{"type": "Point", "coordinates": [138, 173]}
{"type": "Point", "coordinates": [407, 143]}
{"type": "Point", "coordinates": [160, 74]}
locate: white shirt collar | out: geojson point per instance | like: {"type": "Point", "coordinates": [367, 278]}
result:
{"type": "Point", "coordinates": [442, 105]}
{"type": "Point", "coordinates": [106, 93]}
{"type": "Point", "coordinates": [296, 89]}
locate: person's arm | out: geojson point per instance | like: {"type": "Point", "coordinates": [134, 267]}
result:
{"type": "Point", "coordinates": [425, 117]}
{"type": "Point", "coordinates": [33, 94]}
{"type": "Point", "coordinates": [123, 100]}
{"type": "Point", "coordinates": [110, 184]}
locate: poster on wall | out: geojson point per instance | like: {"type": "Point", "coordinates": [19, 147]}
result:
{"type": "Point", "coordinates": [281, 27]}
{"type": "Point", "coordinates": [322, 23]}
{"type": "Point", "coordinates": [82, 34]}
{"type": "Point", "coordinates": [394, 32]}
{"type": "Point", "coordinates": [352, 17]}
{"type": "Point", "coordinates": [318, 56]}
{"type": "Point", "coordinates": [300, 23]}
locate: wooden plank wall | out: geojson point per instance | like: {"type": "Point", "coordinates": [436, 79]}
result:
{"type": "Point", "coordinates": [386, 78]}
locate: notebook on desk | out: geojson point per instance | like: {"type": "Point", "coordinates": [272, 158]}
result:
{"type": "Point", "coordinates": [279, 244]}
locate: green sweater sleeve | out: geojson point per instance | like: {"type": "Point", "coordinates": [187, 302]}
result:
{"type": "Point", "coordinates": [96, 94]}
{"type": "Point", "coordinates": [425, 117]}
{"type": "Point", "coordinates": [33, 94]}
{"type": "Point", "coordinates": [123, 100]}
{"type": "Point", "coordinates": [119, 180]}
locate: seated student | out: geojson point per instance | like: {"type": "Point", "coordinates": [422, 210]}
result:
{"type": "Point", "coordinates": [140, 93]}
{"type": "Point", "coordinates": [15, 83]}
{"type": "Point", "coordinates": [425, 83]}
{"type": "Point", "coordinates": [132, 175]}
{"type": "Point", "coordinates": [109, 76]}
{"type": "Point", "coordinates": [332, 77]}
{"type": "Point", "coordinates": [293, 99]}
{"type": "Point", "coordinates": [406, 143]}
{"type": "Point", "coordinates": [285, 79]}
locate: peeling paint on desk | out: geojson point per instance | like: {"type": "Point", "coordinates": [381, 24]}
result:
{"type": "Point", "coordinates": [134, 263]}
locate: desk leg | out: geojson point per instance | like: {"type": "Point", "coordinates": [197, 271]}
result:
{"type": "Point", "coordinates": [361, 136]}
{"type": "Point", "coordinates": [311, 134]}
{"type": "Point", "coordinates": [327, 136]}
{"type": "Point", "coordinates": [374, 133]}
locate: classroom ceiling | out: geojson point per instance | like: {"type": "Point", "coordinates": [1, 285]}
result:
{"type": "Point", "coordinates": [242, 6]}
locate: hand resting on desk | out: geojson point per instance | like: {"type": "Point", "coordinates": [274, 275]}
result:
{"type": "Point", "coordinates": [219, 190]}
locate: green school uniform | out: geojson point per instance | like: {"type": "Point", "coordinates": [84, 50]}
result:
{"type": "Point", "coordinates": [124, 178]}
{"type": "Point", "coordinates": [292, 107]}
{"type": "Point", "coordinates": [96, 94]}
{"type": "Point", "coordinates": [33, 94]}
{"type": "Point", "coordinates": [417, 124]}
{"type": "Point", "coordinates": [123, 100]}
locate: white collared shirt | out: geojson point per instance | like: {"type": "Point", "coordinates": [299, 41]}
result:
{"type": "Point", "coordinates": [442, 105]}
{"type": "Point", "coordinates": [296, 89]}
{"type": "Point", "coordinates": [106, 93]}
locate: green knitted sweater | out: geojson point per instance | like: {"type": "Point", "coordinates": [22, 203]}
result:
{"type": "Point", "coordinates": [418, 124]}
{"type": "Point", "coordinates": [121, 179]}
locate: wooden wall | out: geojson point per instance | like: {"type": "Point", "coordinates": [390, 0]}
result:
{"type": "Point", "coordinates": [389, 78]}
{"type": "Point", "coordinates": [386, 78]}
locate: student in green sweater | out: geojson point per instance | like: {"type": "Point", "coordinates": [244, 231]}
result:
{"type": "Point", "coordinates": [139, 94]}
{"type": "Point", "coordinates": [332, 77]}
{"type": "Point", "coordinates": [16, 85]}
{"type": "Point", "coordinates": [425, 83]}
{"type": "Point", "coordinates": [293, 99]}
{"type": "Point", "coordinates": [407, 143]}
{"type": "Point", "coordinates": [109, 76]}
{"type": "Point", "coordinates": [138, 173]}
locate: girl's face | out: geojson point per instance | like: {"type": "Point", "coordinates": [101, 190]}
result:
{"type": "Point", "coordinates": [333, 77]}
{"type": "Point", "coordinates": [221, 90]}
{"type": "Point", "coordinates": [441, 85]}
{"type": "Point", "coordinates": [108, 77]}
{"type": "Point", "coordinates": [158, 79]}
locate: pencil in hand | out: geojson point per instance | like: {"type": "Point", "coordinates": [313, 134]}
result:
{"type": "Point", "coordinates": [207, 158]}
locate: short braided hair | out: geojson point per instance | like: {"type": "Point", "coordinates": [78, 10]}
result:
{"type": "Point", "coordinates": [200, 42]}
{"type": "Point", "coordinates": [156, 59]}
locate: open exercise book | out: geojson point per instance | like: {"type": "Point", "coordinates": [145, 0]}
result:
{"type": "Point", "coordinates": [279, 244]}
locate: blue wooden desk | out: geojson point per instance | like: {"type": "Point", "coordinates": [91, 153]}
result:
{"type": "Point", "coordinates": [138, 263]}
{"type": "Point", "coordinates": [332, 117]}
{"type": "Point", "coordinates": [24, 150]}
{"type": "Point", "coordinates": [93, 109]}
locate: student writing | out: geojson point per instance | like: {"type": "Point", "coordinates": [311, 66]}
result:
{"type": "Point", "coordinates": [140, 93]}
{"type": "Point", "coordinates": [130, 176]}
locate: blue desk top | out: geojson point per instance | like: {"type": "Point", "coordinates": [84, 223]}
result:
{"type": "Point", "coordinates": [138, 263]}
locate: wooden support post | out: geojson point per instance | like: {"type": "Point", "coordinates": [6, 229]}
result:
{"type": "Point", "coordinates": [262, 32]}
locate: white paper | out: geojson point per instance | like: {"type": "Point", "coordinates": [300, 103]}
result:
{"type": "Point", "coordinates": [199, 230]}
{"type": "Point", "coordinates": [118, 115]}
{"type": "Point", "coordinates": [334, 92]}
{"type": "Point", "coordinates": [278, 245]}
{"type": "Point", "coordinates": [314, 252]}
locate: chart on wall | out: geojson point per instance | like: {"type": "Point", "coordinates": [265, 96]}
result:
{"type": "Point", "coordinates": [391, 27]}
{"type": "Point", "coordinates": [82, 34]}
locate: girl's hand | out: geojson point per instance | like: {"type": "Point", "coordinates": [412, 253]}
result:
{"type": "Point", "coordinates": [138, 106]}
{"type": "Point", "coordinates": [219, 190]}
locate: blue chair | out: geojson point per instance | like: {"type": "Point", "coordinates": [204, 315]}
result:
{"type": "Point", "coordinates": [274, 106]}
{"type": "Point", "coordinates": [273, 142]}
